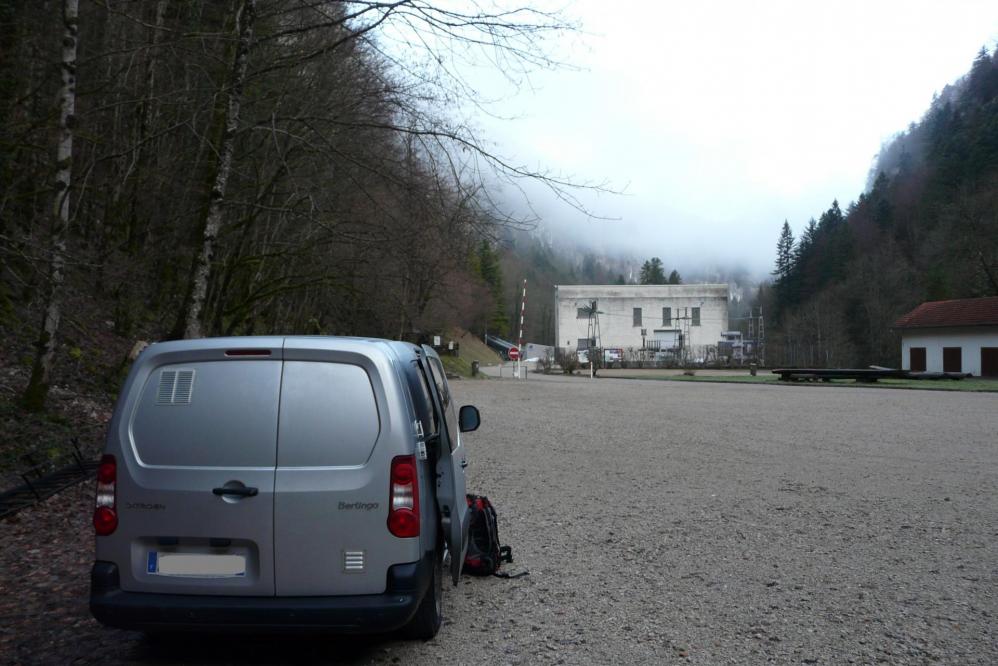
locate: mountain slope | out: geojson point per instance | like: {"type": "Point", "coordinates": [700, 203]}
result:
{"type": "Point", "coordinates": [925, 229]}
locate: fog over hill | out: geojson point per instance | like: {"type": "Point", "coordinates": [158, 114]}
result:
{"type": "Point", "coordinates": [720, 121]}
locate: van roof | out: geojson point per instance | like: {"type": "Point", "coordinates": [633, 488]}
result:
{"type": "Point", "coordinates": [244, 341]}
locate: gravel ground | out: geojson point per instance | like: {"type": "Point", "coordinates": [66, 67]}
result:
{"type": "Point", "coordinates": [660, 522]}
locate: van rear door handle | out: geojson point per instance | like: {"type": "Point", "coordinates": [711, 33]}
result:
{"type": "Point", "coordinates": [242, 492]}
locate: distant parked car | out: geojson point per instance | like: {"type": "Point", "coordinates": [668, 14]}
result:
{"type": "Point", "coordinates": [305, 483]}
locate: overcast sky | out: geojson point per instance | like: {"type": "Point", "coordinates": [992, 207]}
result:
{"type": "Point", "coordinates": [720, 119]}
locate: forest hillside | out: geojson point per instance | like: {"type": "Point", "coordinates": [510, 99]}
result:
{"type": "Point", "coordinates": [925, 229]}
{"type": "Point", "coordinates": [186, 169]}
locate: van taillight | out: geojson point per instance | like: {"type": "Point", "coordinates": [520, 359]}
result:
{"type": "Point", "coordinates": [403, 500]}
{"type": "Point", "coordinates": [105, 509]}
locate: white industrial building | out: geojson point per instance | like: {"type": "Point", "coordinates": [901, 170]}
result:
{"type": "Point", "coordinates": [951, 336]}
{"type": "Point", "coordinates": [686, 320]}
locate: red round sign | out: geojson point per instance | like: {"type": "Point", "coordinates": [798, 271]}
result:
{"type": "Point", "coordinates": [514, 354]}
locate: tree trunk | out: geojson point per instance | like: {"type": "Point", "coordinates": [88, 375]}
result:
{"type": "Point", "coordinates": [41, 373]}
{"type": "Point", "coordinates": [136, 233]}
{"type": "Point", "coordinates": [213, 217]}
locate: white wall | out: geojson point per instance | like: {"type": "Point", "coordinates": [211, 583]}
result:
{"type": "Point", "coordinates": [617, 303]}
{"type": "Point", "coordinates": [532, 350]}
{"type": "Point", "coordinates": [970, 339]}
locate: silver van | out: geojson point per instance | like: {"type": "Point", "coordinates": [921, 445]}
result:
{"type": "Point", "coordinates": [281, 482]}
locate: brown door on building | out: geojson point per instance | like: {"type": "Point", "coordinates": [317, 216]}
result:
{"type": "Point", "coordinates": [989, 361]}
{"type": "Point", "coordinates": [917, 359]}
{"type": "Point", "coordinates": [952, 359]}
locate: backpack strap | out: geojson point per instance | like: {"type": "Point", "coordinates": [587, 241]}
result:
{"type": "Point", "coordinates": [506, 555]}
{"type": "Point", "coordinates": [503, 574]}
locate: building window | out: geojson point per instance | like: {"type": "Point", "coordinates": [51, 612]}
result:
{"type": "Point", "coordinates": [916, 356]}
{"type": "Point", "coordinates": [583, 343]}
{"type": "Point", "coordinates": [637, 317]}
{"type": "Point", "coordinates": [989, 361]}
{"type": "Point", "coordinates": [952, 359]}
{"type": "Point", "coordinates": [696, 316]}
{"type": "Point", "coordinates": [667, 317]}
{"type": "Point", "coordinates": [582, 313]}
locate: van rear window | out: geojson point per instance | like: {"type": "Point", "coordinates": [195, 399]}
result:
{"type": "Point", "coordinates": [211, 414]}
{"type": "Point", "coordinates": [329, 416]}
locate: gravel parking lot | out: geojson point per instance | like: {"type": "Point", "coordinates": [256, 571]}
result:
{"type": "Point", "coordinates": [660, 522]}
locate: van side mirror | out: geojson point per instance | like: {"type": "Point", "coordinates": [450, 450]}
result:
{"type": "Point", "coordinates": [468, 418]}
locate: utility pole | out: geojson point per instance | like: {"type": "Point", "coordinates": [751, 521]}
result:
{"type": "Point", "coordinates": [762, 337]}
{"type": "Point", "coordinates": [683, 324]}
{"type": "Point", "coordinates": [593, 336]}
{"type": "Point", "coordinates": [686, 336]}
{"type": "Point", "coordinates": [756, 335]}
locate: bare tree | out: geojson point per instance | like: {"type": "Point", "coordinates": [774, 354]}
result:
{"type": "Point", "coordinates": [41, 372]}
{"type": "Point", "coordinates": [252, 166]}
{"type": "Point", "coordinates": [213, 215]}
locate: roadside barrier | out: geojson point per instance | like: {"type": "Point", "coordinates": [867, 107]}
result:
{"type": "Point", "coordinates": [40, 483]}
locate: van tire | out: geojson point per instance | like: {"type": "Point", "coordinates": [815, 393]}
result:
{"type": "Point", "coordinates": [425, 624]}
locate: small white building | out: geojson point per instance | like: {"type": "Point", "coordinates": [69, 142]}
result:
{"type": "Point", "coordinates": [687, 318]}
{"type": "Point", "coordinates": [951, 336]}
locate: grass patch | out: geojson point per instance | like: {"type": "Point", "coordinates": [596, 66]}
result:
{"type": "Point", "coordinates": [470, 349]}
{"type": "Point", "coordinates": [473, 349]}
{"type": "Point", "coordinates": [459, 366]}
{"type": "Point", "coordinates": [973, 385]}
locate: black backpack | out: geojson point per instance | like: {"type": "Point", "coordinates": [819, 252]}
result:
{"type": "Point", "coordinates": [485, 555]}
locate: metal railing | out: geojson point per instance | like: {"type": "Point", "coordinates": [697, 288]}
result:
{"type": "Point", "coordinates": [42, 479]}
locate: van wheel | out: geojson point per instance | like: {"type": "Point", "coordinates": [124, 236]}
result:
{"type": "Point", "coordinates": [425, 624]}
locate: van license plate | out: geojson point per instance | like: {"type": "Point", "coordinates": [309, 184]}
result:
{"type": "Point", "coordinates": [195, 564]}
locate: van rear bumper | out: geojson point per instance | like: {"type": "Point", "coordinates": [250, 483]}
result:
{"type": "Point", "coordinates": [369, 613]}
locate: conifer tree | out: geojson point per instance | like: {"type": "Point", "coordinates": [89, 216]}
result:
{"type": "Point", "coordinates": [807, 240]}
{"type": "Point", "coordinates": [784, 254]}
{"type": "Point", "coordinates": [652, 272]}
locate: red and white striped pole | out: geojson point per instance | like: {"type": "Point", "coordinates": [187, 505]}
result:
{"type": "Point", "coordinates": [519, 340]}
